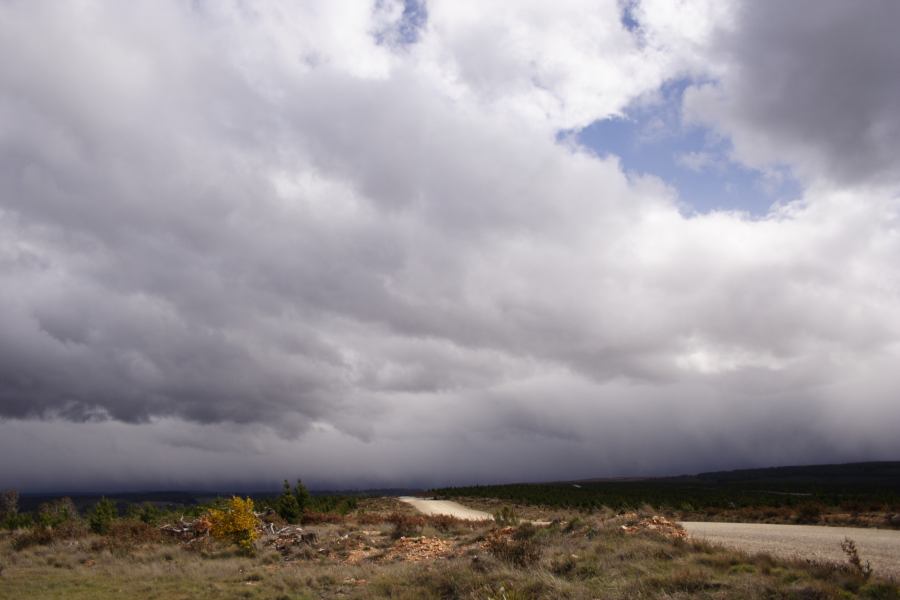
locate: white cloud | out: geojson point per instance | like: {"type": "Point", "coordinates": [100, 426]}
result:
{"type": "Point", "coordinates": [564, 64]}
{"type": "Point", "coordinates": [698, 161]}
{"type": "Point", "coordinates": [271, 224]}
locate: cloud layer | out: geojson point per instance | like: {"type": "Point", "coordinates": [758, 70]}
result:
{"type": "Point", "coordinates": [340, 234]}
{"type": "Point", "coordinates": [813, 85]}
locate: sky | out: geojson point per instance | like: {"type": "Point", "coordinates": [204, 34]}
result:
{"type": "Point", "coordinates": [386, 243]}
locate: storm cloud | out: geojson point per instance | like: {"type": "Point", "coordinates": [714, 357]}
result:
{"type": "Point", "coordinates": [347, 240]}
{"type": "Point", "coordinates": [809, 84]}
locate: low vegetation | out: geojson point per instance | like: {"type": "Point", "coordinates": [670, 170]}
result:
{"type": "Point", "coordinates": [862, 495]}
{"type": "Point", "coordinates": [236, 523]}
{"type": "Point", "coordinates": [863, 569]}
{"type": "Point", "coordinates": [381, 548]}
{"type": "Point", "coordinates": [102, 516]}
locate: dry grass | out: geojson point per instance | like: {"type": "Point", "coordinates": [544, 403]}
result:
{"type": "Point", "coordinates": [587, 557]}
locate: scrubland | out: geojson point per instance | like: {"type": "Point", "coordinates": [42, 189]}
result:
{"type": "Point", "coordinates": [382, 549]}
{"type": "Point", "coordinates": [853, 495]}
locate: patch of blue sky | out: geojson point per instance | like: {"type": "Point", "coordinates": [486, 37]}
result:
{"type": "Point", "coordinates": [651, 138]}
{"type": "Point", "coordinates": [415, 15]}
{"type": "Point", "coordinates": [407, 30]}
{"type": "Point", "coordinates": [628, 19]}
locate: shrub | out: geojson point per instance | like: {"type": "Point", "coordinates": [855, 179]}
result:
{"type": "Point", "coordinates": [9, 504]}
{"type": "Point", "coordinates": [150, 514]}
{"type": "Point", "coordinates": [445, 523]}
{"type": "Point", "coordinates": [286, 505]}
{"type": "Point", "coordinates": [366, 518]}
{"type": "Point", "coordinates": [136, 531]}
{"type": "Point", "coordinates": [37, 536]}
{"type": "Point", "coordinates": [809, 513]}
{"type": "Point", "coordinates": [519, 550]}
{"type": "Point", "coordinates": [10, 518]}
{"type": "Point", "coordinates": [101, 517]}
{"type": "Point", "coordinates": [573, 524]}
{"type": "Point", "coordinates": [147, 513]}
{"type": "Point", "coordinates": [864, 570]}
{"type": "Point", "coordinates": [236, 523]}
{"type": "Point", "coordinates": [879, 591]}
{"type": "Point", "coordinates": [313, 518]}
{"type": "Point", "coordinates": [19, 521]}
{"type": "Point", "coordinates": [302, 496]}
{"type": "Point", "coordinates": [41, 535]}
{"type": "Point", "coordinates": [525, 531]}
{"type": "Point", "coordinates": [405, 525]}
{"type": "Point", "coordinates": [56, 512]}
{"type": "Point", "coordinates": [126, 534]}
{"type": "Point", "coordinates": [506, 517]}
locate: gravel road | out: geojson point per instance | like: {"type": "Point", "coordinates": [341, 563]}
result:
{"type": "Point", "coordinates": [881, 547]}
{"type": "Point", "coordinates": [445, 507]}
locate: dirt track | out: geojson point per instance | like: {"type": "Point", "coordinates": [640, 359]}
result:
{"type": "Point", "coordinates": [445, 507]}
{"type": "Point", "coordinates": [879, 546]}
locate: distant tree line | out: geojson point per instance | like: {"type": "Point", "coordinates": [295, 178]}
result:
{"type": "Point", "coordinates": [292, 505]}
{"type": "Point", "coordinates": [686, 495]}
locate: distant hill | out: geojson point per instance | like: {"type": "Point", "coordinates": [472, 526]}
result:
{"type": "Point", "coordinates": [875, 474]}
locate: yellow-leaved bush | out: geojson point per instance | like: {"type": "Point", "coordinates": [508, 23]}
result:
{"type": "Point", "coordinates": [237, 523]}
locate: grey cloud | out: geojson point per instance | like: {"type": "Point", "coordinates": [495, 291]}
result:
{"type": "Point", "coordinates": [215, 254]}
{"type": "Point", "coordinates": [811, 84]}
